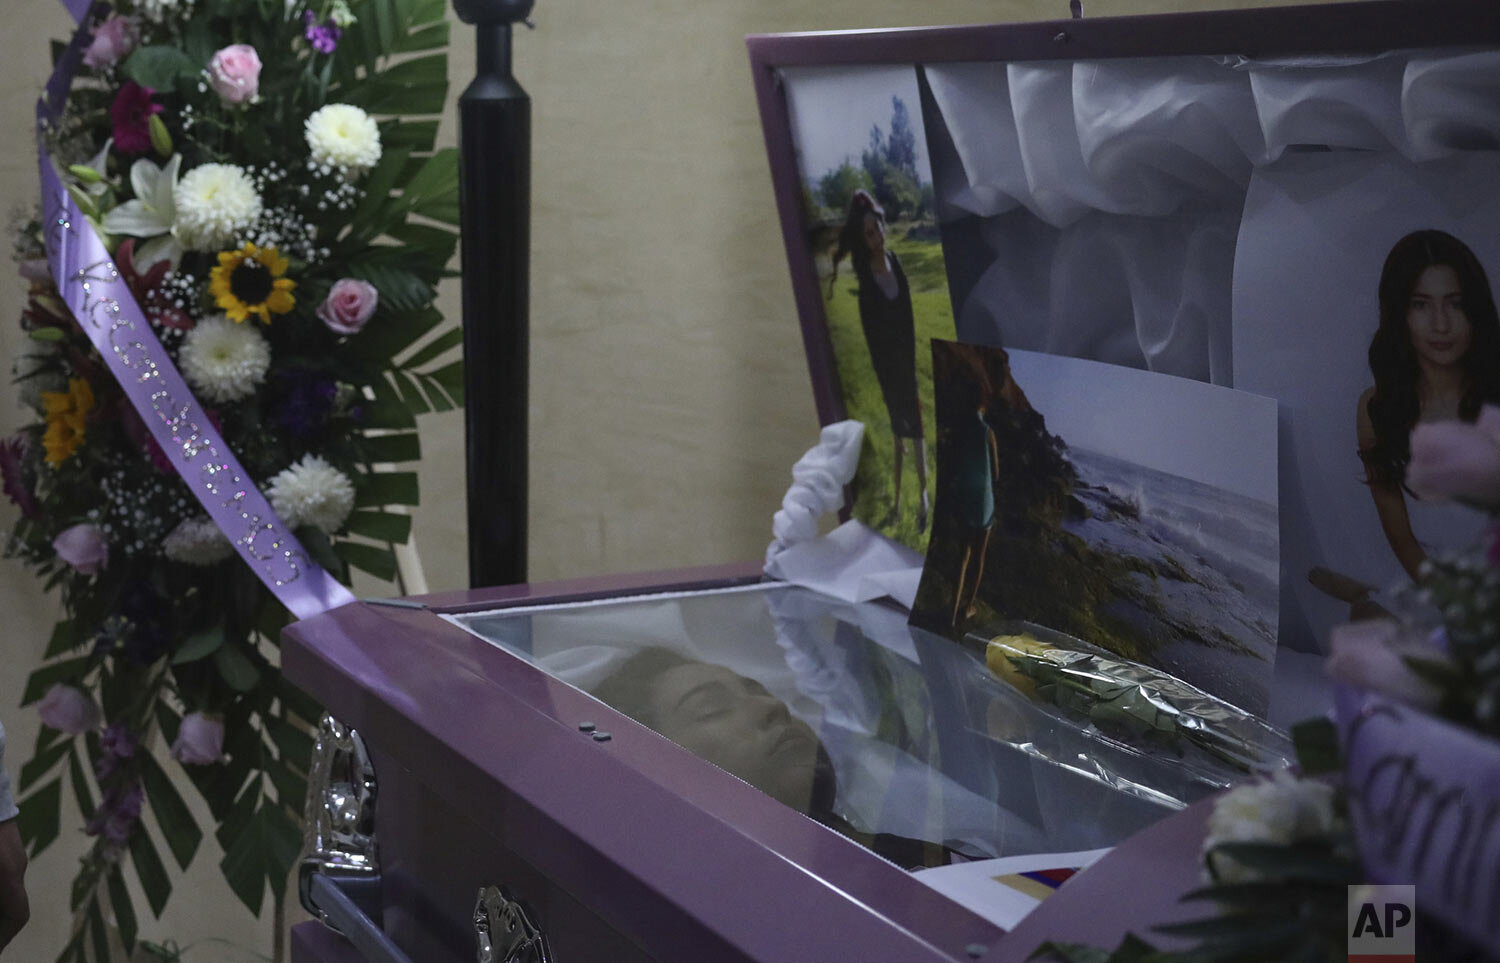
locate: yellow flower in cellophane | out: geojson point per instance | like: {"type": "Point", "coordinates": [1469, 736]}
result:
{"type": "Point", "coordinates": [249, 281]}
{"type": "Point", "coordinates": [67, 414]}
{"type": "Point", "coordinates": [1003, 648]}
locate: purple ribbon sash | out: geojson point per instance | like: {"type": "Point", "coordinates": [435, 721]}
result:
{"type": "Point", "coordinates": [78, 8]}
{"type": "Point", "coordinates": [99, 299]}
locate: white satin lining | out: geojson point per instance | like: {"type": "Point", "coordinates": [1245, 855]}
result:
{"type": "Point", "coordinates": [1147, 136]}
{"type": "Point", "coordinates": [1110, 191]}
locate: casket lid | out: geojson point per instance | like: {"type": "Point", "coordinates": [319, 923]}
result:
{"type": "Point", "coordinates": [1322, 30]}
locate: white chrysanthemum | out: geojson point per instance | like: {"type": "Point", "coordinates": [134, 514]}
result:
{"type": "Point", "coordinates": [215, 202]}
{"type": "Point", "coordinates": [224, 361]}
{"type": "Point", "coordinates": [344, 137]}
{"type": "Point", "coordinates": [157, 10]}
{"type": "Point", "coordinates": [1279, 810]}
{"type": "Point", "coordinates": [197, 541]}
{"type": "Point", "coordinates": [312, 492]}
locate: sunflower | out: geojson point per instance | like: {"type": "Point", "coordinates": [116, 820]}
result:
{"type": "Point", "coordinates": [249, 281]}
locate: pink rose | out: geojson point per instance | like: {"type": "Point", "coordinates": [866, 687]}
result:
{"type": "Point", "coordinates": [200, 740]}
{"type": "Point", "coordinates": [349, 305]}
{"type": "Point", "coordinates": [83, 547]}
{"type": "Point", "coordinates": [1451, 459]}
{"type": "Point", "coordinates": [68, 709]}
{"type": "Point", "coordinates": [234, 73]}
{"type": "Point", "coordinates": [1372, 655]}
{"type": "Point", "coordinates": [114, 39]}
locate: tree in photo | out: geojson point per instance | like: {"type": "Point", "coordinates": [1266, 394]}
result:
{"type": "Point", "coordinates": [890, 161]}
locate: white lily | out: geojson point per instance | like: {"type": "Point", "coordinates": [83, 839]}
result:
{"type": "Point", "coordinates": [152, 213]}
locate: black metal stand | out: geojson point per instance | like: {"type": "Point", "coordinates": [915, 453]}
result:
{"type": "Point", "coordinates": [495, 194]}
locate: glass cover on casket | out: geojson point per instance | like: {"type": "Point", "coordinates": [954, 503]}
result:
{"type": "Point", "coordinates": [898, 738]}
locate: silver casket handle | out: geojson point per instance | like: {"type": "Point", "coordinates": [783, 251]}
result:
{"type": "Point", "coordinates": [506, 931]}
{"type": "Point", "coordinates": [338, 877]}
{"type": "Point", "coordinates": [338, 836]}
{"type": "Point", "coordinates": [339, 871]}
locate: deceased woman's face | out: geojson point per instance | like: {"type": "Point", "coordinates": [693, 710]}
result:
{"type": "Point", "coordinates": [874, 234]}
{"type": "Point", "coordinates": [737, 725]}
{"type": "Point", "coordinates": [1435, 316]}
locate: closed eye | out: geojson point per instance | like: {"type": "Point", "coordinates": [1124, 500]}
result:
{"type": "Point", "coordinates": [705, 701]}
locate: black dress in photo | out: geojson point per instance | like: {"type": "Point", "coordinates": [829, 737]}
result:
{"type": "Point", "coordinates": [890, 332]}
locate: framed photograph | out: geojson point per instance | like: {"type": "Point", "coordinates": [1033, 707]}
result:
{"type": "Point", "coordinates": [1363, 301]}
{"type": "Point", "coordinates": [871, 228]}
{"type": "Point", "coordinates": [1214, 201]}
{"type": "Point", "coordinates": [1136, 512]}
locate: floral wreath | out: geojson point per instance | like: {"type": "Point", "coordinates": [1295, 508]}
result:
{"type": "Point", "coordinates": [264, 180]}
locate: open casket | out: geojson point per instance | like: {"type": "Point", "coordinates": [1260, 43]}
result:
{"type": "Point", "coordinates": [845, 747]}
{"type": "Point", "coordinates": [709, 766]}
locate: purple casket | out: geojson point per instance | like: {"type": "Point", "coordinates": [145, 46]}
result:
{"type": "Point", "coordinates": [708, 766]}
{"type": "Point", "coordinates": [493, 765]}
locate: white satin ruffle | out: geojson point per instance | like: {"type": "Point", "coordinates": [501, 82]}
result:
{"type": "Point", "coordinates": [1450, 104]}
{"type": "Point", "coordinates": [1149, 136]}
{"type": "Point", "coordinates": [1109, 193]}
{"type": "Point", "coordinates": [818, 480]}
{"type": "Point", "coordinates": [852, 562]}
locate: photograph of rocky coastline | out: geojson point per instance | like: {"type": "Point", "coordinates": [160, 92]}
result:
{"type": "Point", "coordinates": [1076, 530]}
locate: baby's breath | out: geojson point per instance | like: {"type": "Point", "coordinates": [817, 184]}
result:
{"type": "Point", "coordinates": [138, 510]}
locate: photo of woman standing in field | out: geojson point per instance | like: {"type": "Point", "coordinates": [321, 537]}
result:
{"type": "Point", "coordinates": [885, 315]}
{"type": "Point", "coordinates": [867, 196]}
{"type": "Point", "coordinates": [1434, 357]}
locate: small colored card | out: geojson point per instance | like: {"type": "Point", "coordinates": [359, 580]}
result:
{"type": "Point", "coordinates": [1004, 890]}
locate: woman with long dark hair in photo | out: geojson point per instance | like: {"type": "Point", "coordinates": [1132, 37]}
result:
{"type": "Point", "coordinates": [1435, 357]}
{"type": "Point", "coordinates": [885, 314]}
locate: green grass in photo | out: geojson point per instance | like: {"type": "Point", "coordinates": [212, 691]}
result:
{"type": "Point", "coordinates": [874, 491]}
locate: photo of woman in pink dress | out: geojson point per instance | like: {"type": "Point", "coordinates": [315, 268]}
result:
{"type": "Point", "coordinates": [1435, 356]}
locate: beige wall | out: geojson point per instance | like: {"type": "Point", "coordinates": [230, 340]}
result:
{"type": "Point", "coordinates": [669, 394]}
